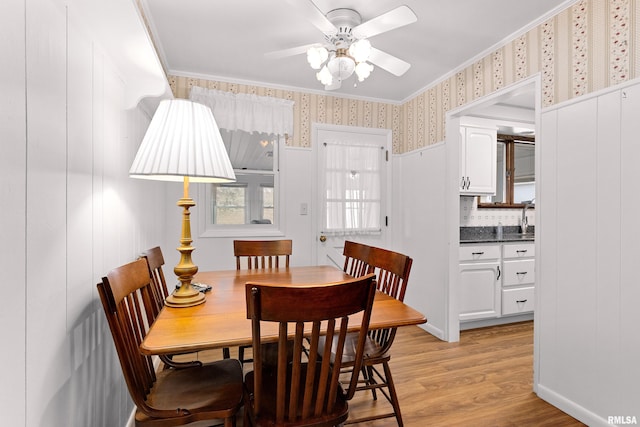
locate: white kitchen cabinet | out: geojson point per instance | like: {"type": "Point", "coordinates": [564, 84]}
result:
{"type": "Point", "coordinates": [496, 280]}
{"type": "Point", "coordinates": [518, 280]}
{"type": "Point", "coordinates": [479, 282]}
{"type": "Point", "coordinates": [477, 160]}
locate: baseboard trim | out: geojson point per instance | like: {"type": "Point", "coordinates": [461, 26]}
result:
{"type": "Point", "coordinates": [436, 332]}
{"type": "Point", "coordinates": [570, 407]}
{"type": "Point", "coordinates": [496, 321]}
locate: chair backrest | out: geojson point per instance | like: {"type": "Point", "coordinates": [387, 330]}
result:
{"type": "Point", "coordinates": [392, 271]}
{"type": "Point", "coordinates": [155, 261]}
{"type": "Point", "coordinates": [355, 259]}
{"type": "Point", "coordinates": [262, 253]}
{"type": "Point", "coordinates": [392, 274]}
{"type": "Point", "coordinates": [126, 293]}
{"type": "Point", "coordinates": [307, 388]}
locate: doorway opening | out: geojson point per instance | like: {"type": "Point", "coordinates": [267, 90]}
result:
{"type": "Point", "coordinates": [519, 102]}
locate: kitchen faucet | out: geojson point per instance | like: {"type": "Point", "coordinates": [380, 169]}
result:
{"type": "Point", "coordinates": [524, 223]}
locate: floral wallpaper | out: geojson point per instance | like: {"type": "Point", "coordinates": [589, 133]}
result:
{"type": "Point", "coordinates": [591, 45]}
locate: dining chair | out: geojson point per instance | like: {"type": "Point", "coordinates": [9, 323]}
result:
{"type": "Point", "coordinates": [259, 254]}
{"type": "Point", "coordinates": [155, 261]}
{"type": "Point", "coordinates": [262, 253]}
{"type": "Point", "coordinates": [355, 259]}
{"type": "Point", "coordinates": [171, 397]}
{"type": "Point", "coordinates": [392, 271]}
{"type": "Point", "coordinates": [301, 390]}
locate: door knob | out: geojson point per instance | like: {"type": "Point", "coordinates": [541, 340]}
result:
{"type": "Point", "coordinates": [323, 239]}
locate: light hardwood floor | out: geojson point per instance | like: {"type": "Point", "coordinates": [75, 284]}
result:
{"type": "Point", "coordinates": [483, 380]}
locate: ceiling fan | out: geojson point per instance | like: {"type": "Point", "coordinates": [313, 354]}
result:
{"type": "Point", "coordinates": [346, 48]}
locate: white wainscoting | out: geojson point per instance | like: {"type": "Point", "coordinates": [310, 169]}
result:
{"type": "Point", "coordinates": [587, 321]}
{"type": "Point", "coordinates": [70, 213]}
{"type": "Point", "coordinates": [420, 181]}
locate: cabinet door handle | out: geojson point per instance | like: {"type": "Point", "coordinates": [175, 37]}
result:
{"type": "Point", "coordinates": [521, 300]}
{"type": "Point", "coordinates": [462, 182]}
{"type": "Point", "coordinates": [468, 182]}
{"type": "Point", "coordinates": [521, 251]}
{"type": "Point", "coordinates": [521, 272]}
{"type": "Point", "coordinates": [499, 272]}
{"type": "Point", "coordinates": [477, 253]}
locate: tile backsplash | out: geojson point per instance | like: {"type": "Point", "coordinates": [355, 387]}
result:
{"type": "Point", "coordinates": [471, 216]}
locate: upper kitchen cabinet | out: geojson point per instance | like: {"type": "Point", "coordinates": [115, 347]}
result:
{"type": "Point", "coordinates": [477, 160]}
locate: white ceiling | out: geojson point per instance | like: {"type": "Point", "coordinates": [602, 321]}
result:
{"type": "Point", "coordinates": [227, 40]}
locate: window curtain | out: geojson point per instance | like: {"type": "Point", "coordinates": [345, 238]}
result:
{"type": "Point", "coordinates": [352, 188]}
{"type": "Point", "coordinates": [247, 112]}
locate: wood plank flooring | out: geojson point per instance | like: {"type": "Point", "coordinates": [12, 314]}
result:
{"type": "Point", "coordinates": [483, 380]}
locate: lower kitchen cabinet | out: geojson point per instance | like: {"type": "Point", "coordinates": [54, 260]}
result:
{"type": "Point", "coordinates": [479, 282]}
{"type": "Point", "coordinates": [496, 280]}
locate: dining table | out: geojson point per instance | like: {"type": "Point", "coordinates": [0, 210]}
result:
{"type": "Point", "coordinates": [221, 321]}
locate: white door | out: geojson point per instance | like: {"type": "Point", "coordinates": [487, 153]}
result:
{"type": "Point", "coordinates": [352, 182]}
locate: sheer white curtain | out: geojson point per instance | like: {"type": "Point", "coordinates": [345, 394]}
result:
{"type": "Point", "coordinates": [352, 188]}
{"type": "Point", "coordinates": [247, 112]}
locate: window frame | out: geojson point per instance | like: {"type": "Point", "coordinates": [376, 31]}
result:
{"type": "Point", "coordinates": [509, 141]}
{"type": "Point", "coordinates": [208, 230]}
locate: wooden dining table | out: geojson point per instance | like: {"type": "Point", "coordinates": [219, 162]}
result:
{"type": "Point", "coordinates": [221, 321]}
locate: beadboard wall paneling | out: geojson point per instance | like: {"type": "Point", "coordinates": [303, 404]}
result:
{"type": "Point", "coordinates": [67, 143]}
{"type": "Point", "coordinates": [13, 148]}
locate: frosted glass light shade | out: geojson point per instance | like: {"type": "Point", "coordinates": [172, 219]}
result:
{"type": "Point", "coordinates": [183, 140]}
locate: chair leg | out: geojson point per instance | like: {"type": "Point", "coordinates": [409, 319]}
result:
{"type": "Point", "coordinates": [368, 380]}
{"type": "Point", "coordinates": [241, 355]}
{"type": "Point", "coordinates": [392, 392]}
{"type": "Point", "coordinates": [225, 353]}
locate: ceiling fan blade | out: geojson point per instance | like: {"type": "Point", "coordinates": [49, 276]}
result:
{"type": "Point", "coordinates": [395, 66]}
{"type": "Point", "coordinates": [395, 18]}
{"type": "Point", "coordinates": [314, 15]}
{"type": "Point", "coordinates": [292, 51]}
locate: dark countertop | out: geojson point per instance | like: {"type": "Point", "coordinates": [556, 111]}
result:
{"type": "Point", "coordinates": [488, 235]}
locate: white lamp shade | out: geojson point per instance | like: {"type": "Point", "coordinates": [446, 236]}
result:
{"type": "Point", "coordinates": [183, 140]}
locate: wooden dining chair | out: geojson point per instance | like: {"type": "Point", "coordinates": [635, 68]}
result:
{"type": "Point", "coordinates": [392, 271]}
{"type": "Point", "coordinates": [355, 259]}
{"type": "Point", "coordinates": [301, 390]}
{"type": "Point", "coordinates": [262, 253]}
{"type": "Point", "coordinates": [259, 254]}
{"type": "Point", "coordinates": [155, 262]}
{"type": "Point", "coordinates": [171, 397]}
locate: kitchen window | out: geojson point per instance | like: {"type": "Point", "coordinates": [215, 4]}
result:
{"type": "Point", "coordinates": [515, 174]}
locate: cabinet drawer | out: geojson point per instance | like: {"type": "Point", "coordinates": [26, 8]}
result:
{"type": "Point", "coordinates": [516, 301]}
{"type": "Point", "coordinates": [518, 272]}
{"type": "Point", "coordinates": [520, 250]}
{"type": "Point", "coordinates": [479, 252]}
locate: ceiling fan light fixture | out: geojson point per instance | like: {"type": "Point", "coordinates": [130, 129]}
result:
{"type": "Point", "coordinates": [316, 56]}
{"type": "Point", "coordinates": [363, 70]}
{"type": "Point", "coordinates": [341, 66]}
{"type": "Point", "coordinates": [324, 76]}
{"type": "Point", "coordinates": [360, 50]}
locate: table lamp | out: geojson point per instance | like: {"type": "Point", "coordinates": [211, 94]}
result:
{"type": "Point", "coordinates": [183, 143]}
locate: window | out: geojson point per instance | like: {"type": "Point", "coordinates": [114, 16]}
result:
{"type": "Point", "coordinates": [267, 203]}
{"type": "Point", "coordinates": [229, 203]}
{"type": "Point", "coordinates": [248, 206]}
{"type": "Point", "coordinates": [253, 129]}
{"type": "Point", "coordinates": [352, 190]}
{"type": "Point", "coordinates": [515, 181]}
{"type": "Point", "coordinates": [249, 200]}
